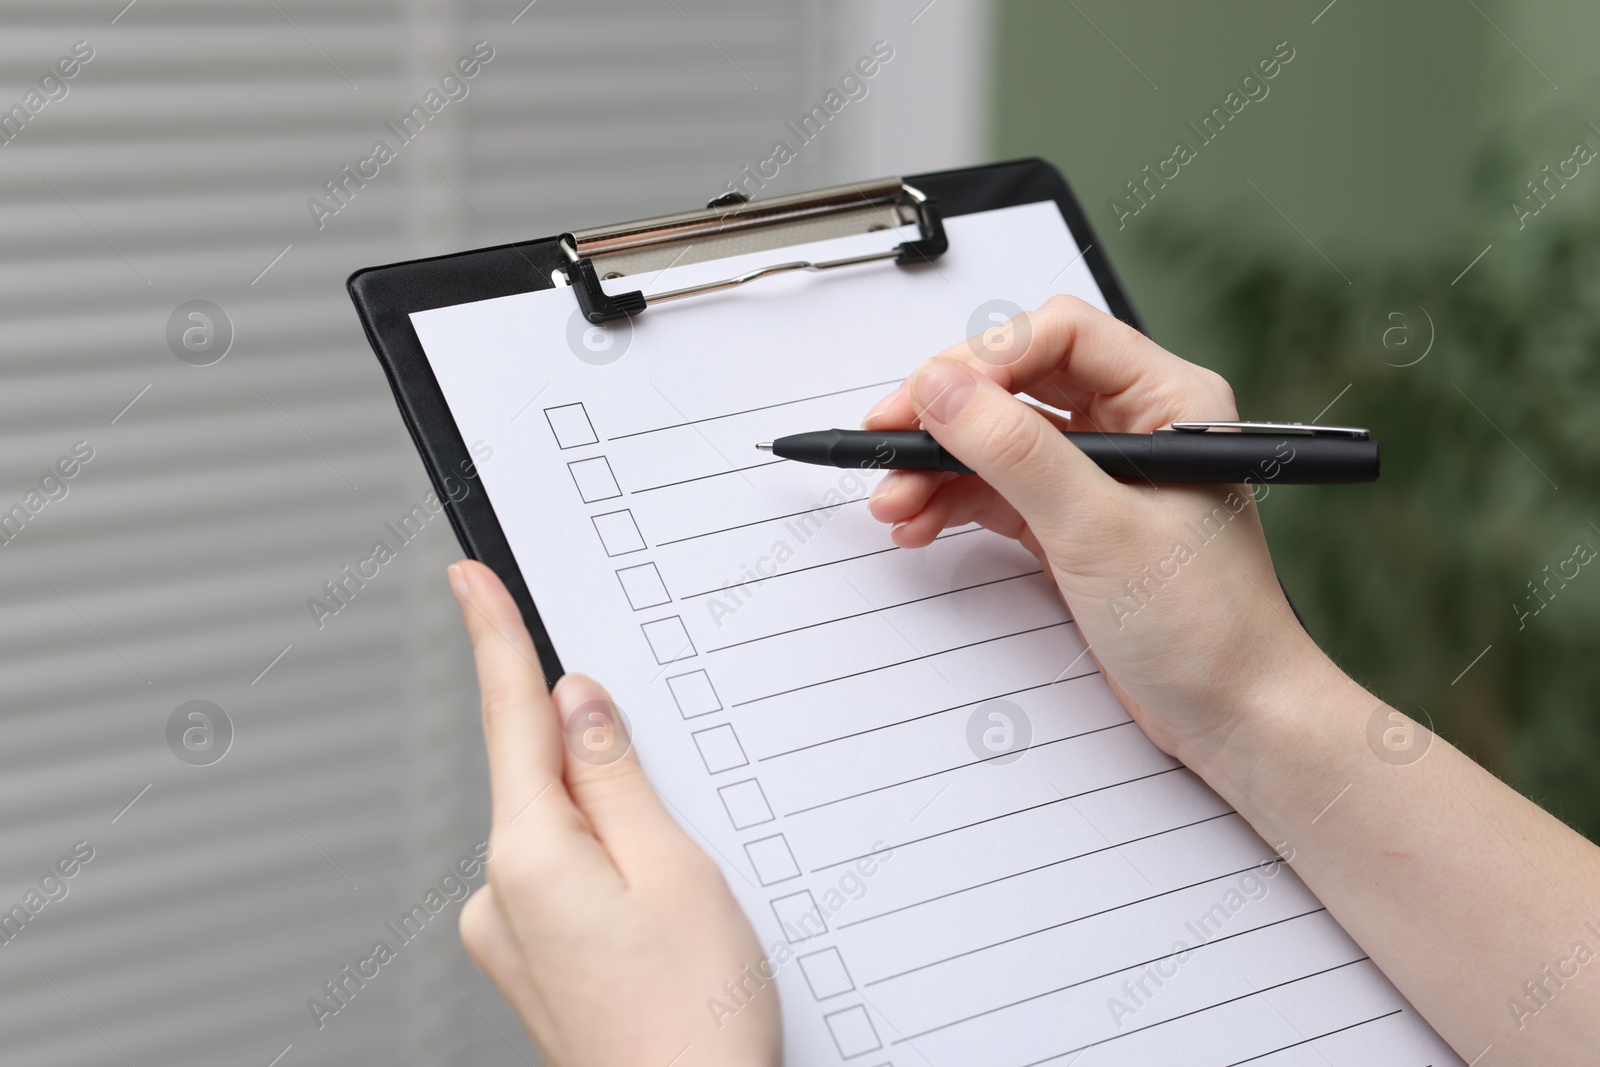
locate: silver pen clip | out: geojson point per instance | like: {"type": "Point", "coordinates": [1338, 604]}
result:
{"type": "Point", "coordinates": [1354, 432]}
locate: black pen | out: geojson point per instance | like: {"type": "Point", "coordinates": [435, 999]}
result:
{"type": "Point", "coordinates": [1287, 453]}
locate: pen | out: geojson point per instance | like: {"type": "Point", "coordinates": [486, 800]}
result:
{"type": "Point", "coordinates": [1288, 453]}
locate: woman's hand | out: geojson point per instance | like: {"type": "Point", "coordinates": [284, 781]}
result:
{"type": "Point", "coordinates": [1172, 588]}
{"type": "Point", "coordinates": [1446, 878]}
{"type": "Point", "coordinates": [606, 928]}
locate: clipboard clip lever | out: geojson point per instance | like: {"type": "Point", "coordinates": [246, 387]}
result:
{"type": "Point", "coordinates": [732, 223]}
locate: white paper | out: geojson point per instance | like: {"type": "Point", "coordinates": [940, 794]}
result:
{"type": "Point", "coordinates": [819, 710]}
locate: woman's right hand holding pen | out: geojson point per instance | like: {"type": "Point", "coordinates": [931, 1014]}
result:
{"type": "Point", "coordinates": [1459, 888]}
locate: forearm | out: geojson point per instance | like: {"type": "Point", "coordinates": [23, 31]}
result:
{"type": "Point", "coordinates": [1459, 888]}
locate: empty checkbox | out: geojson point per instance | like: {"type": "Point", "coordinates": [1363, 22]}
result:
{"type": "Point", "coordinates": [694, 694]}
{"type": "Point", "coordinates": [826, 973]}
{"type": "Point", "coordinates": [619, 534]}
{"type": "Point", "coordinates": [669, 639]}
{"type": "Point", "coordinates": [772, 860]}
{"type": "Point", "coordinates": [570, 423]}
{"type": "Point", "coordinates": [853, 1032]}
{"type": "Point", "coordinates": [720, 749]}
{"type": "Point", "coordinates": [643, 587]}
{"type": "Point", "coordinates": [746, 804]}
{"type": "Point", "coordinates": [594, 479]}
{"type": "Point", "coordinates": [799, 916]}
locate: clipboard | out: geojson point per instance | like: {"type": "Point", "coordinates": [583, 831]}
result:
{"type": "Point", "coordinates": [386, 296]}
{"type": "Point", "coordinates": [775, 790]}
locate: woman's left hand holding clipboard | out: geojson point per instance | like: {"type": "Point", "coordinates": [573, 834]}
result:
{"type": "Point", "coordinates": [608, 930]}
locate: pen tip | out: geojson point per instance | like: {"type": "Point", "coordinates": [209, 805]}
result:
{"type": "Point", "coordinates": [765, 446]}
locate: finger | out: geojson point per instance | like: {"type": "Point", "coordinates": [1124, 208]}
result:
{"type": "Point", "coordinates": [1108, 374]}
{"type": "Point", "coordinates": [519, 731]}
{"type": "Point", "coordinates": [901, 494]}
{"type": "Point", "coordinates": [607, 783]}
{"type": "Point", "coordinates": [1010, 445]}
{"type": "Point", "coordinates": [888, 402]}
{"type": "Point", "coordinates": [1070, 355]}
{"type": "Point", "coordinates": [1096, 352]}
{"type": "Point", "coordinates": [956, 504]}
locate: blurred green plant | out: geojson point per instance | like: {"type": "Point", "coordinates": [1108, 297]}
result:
{"type": "Point", "coordinates": [1484, 390]}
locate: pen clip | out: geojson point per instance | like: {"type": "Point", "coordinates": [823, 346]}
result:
{"type": "Point", "coordinates": [1353, 432]}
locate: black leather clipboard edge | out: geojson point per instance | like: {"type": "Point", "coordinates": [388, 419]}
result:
{"type": "Point", "coordinates": [386, 296]}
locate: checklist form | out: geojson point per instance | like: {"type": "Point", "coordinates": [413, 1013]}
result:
{"type": "Point", "coordinates": [954, 845]}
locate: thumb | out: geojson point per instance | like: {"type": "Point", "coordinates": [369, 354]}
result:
{"type": "Point", "coordinates": [1006, 443]}
{"type": "Point", "coordinates": [605, 779]}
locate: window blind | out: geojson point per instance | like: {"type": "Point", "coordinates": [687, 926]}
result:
{"type": "Point", "coordinates": [213, 495]}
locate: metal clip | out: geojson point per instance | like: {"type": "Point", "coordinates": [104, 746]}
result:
{"type": "Point", "coordinates": [1276, 427]}
{"type": "Point", "coordinates": [735, 213]}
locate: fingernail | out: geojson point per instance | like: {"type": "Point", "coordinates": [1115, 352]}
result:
{"type": "Point", "coordinates": [941, 388]}
{"type": "Point", "coordinates": [573, 691]}
{"type": "Point", "coordinates": [597, 731]}
{"type": "Point", "coordinates": [886, 485]}
{"type": "Point", "coordinates": [458, 583]}
{"type": "Point", "coordinates": [883, 405]}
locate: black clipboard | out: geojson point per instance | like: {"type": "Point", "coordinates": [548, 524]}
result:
{"type": "Point", "coordinates": [386, 296]}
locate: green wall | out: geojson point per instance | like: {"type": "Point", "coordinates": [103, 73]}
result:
{"type": "Point", "coordinates": [1363, 140]}
{"type": "Point", "coordinates": [1390, 148]}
